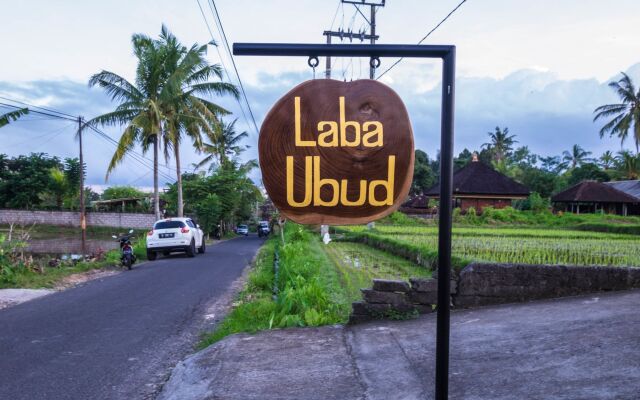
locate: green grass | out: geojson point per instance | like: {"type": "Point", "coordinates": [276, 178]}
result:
{"type": "Point", "coordinates": [40, 275]}
{"type": "Point", "coordinates": [359, 264]}
{"type": "Point", "coordinates": [310, 290]}
{"type": "Point", "coordinates": [18, 276]}
{"type": "Point", "coordinates": [526, 245]}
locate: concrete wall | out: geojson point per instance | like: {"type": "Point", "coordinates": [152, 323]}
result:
{"type": "Point", "coordinates": [72, 218]}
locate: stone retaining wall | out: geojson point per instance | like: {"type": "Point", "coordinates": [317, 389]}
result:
{"type": "Point", "coordinates": [390, 298]}
{"type": "Point", "coordinates": [72, 218]}
{"type": "Point", "coordinates": [481, 284]}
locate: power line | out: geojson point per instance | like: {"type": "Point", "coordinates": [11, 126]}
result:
{"type": "Point", "coordinates": [425, 36]}
{"type": "Point", "coordinates": [37, 112]}
{"type": "Point", "coordinates": [141, 159]}
{"type": "Point", "coordinates": [41, 108]}
{"type": "Point", "coordinates": [224, 67]}
{"type": "Point", "coordinates": [226, 43]}
{"type": "Point", "coordinates": [31, 140]}
{"type": "Point", "coordinates": [134, 155]}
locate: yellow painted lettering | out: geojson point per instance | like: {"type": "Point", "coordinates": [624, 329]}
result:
{"type": "Point", "coordinates": [377, 132]}
{"type": "Point", "coordinates": [298, 129]}
{"type": "Point", "coordinates": [388, 185]}
{"type": "Point", "coordinates": [343, 128]}
{"type": "Point", "coordinates": [318, 183]}
{"type": "Point", "coordinates": [331, 133]}
{"type": "Point", "coordinates": [308, 183]}
{"type": "Point", "coordinates": [362, 196]}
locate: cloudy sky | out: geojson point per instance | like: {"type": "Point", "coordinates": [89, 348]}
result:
{"type": "Point", "coordinates": [539, 68]}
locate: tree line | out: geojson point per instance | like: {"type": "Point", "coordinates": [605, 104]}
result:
{"type": "Point", "coordinates": [546, 175]}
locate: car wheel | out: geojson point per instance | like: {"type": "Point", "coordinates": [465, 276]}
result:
{"type": "Point", "coordinates": [151, 255]}
{"type": "Point", "coordinates": [202, 248]}
{"type": "Point", "coordinates": [191, 250]}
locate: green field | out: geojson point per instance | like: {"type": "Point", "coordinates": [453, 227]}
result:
{"type": "Point", "coordinates": [523, 244]}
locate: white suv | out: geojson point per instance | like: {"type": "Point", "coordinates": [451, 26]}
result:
{"type": "Point", "coordinates": [175, 234]}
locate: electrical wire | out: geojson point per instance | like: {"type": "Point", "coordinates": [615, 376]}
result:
{"type": "Point", "coordinates": [425, 36]}
{"type": "Point", "coordinates": [41, 108]}
{"type": "Point", "coordinates": [224, 67]}
{"type": "Point", "coordinates": [233, 62]}
{"type": "Point", "coordinates": [38, 112]}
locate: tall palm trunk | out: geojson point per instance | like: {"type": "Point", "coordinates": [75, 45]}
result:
{"type": "Point", "coordinates": [156, 193]}
{"type": "Point", "coordinates": [179, 181]}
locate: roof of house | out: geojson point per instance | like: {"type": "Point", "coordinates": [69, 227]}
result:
{"type": "Point", "coordinates": [419, 201]}
{"type": "Point", "coordinates": [478, 178]}
{"type": "Point", "coordinates": [592, 191]}
{"type": "Point", "coordinates": [631, 188]}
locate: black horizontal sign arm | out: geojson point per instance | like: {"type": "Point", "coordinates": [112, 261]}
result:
{"type": "Point", "coordinates": [342, 50]}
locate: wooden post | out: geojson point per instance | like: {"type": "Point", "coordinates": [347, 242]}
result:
{"type": "Point", "coordinates": [83, 221]}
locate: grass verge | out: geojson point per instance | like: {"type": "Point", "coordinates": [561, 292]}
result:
{"type": "Point", "coordinates": [36, 273]}
{"type": "Point", "coordinates": [310, 290]}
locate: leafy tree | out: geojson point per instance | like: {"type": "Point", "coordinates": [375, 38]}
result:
{"type": "Point", "coordinates": [540, 181]}
{"type": "Point", "coordinates": [500, 144]}
{"type": "Point", "coordinates": [588, 171]}
{"type": "Point", "coordinates": [59, 185]}
{"type": "Point", "coordinates": [423, 176]}
{"type": "Point", "coordinates": [551, 163]}
{"type": "Point", "coordinates": [25, 179]}
{"type": "Point", "coordinates": [577, 156]}
{"type": "Point", "coordinates": [463, 159]}
{"type": "Point", "coordinates": [628, 165]}
{"type": "Point", "coordinates": [626, 114]}
{"type": "Point", "coordinates": [121, 192]}
{"type": "Point", "coordinates": [524, 157]}
{"type": "Point", "coordinates": [607, 160]}
{"type": "Point", "coordinates": [227, 194]}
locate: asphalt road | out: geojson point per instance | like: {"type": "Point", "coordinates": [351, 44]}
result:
{"type": "Point", "coordinates": [117, 337]}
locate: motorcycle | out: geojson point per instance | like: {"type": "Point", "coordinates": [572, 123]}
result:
{"type": "Point", "coordinates": [127, 257]}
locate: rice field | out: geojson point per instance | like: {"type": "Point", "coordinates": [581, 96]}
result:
{"type": "Point", "coordinates": [525, 245]}
{"type": "Point", "coordinates": [358, 264]}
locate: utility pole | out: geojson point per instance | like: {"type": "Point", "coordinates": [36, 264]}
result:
{"type": "Point", "coordinates": [360, 35]}
{"type": "Point", "coordinates": [83, 220]}
{"type": "Point", "coordinates": [344, 35]}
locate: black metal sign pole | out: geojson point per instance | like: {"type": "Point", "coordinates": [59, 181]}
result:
{"type": "Point", "coordinates": [448, 56]}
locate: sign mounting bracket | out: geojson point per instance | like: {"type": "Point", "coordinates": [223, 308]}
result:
{"type": "Point", "coordinates": [447, 54]}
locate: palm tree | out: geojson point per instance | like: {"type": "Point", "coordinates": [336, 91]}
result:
{"type": "Point", "coordinates": [501, 143]}
{"type": "Point", "coordinates": [12, 116]}
{"type": "Point", "coordinates": [627, 113]}
{"type": "Point", "coordinates": [577, 156]}
{"type": "Point", "coordinates": [188, 75]}
{"type": "Point", "coordinates": [139, 110]}
{"type": "Point", "coordinates": [607, 160]}
{"type": "Point", "coordinates": [224, 144]}
{"type": "Point", "coordinates": [629, 164]}
{"type": "Point", "coordinates": [163, 104]}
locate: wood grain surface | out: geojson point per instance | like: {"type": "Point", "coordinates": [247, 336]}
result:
{"type": "Point", "coordinates": [365, 101]}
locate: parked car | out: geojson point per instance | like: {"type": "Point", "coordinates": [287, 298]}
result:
{"type": "Point", "coordinates": [175, 234]}
{"type": "Point", "coordinates": [242, 230]}
{"type": "Point", "coordinates": [263, 228]}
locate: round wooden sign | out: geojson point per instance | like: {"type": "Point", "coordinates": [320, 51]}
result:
{"type": "Point", "coordinates": [336, 152]}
